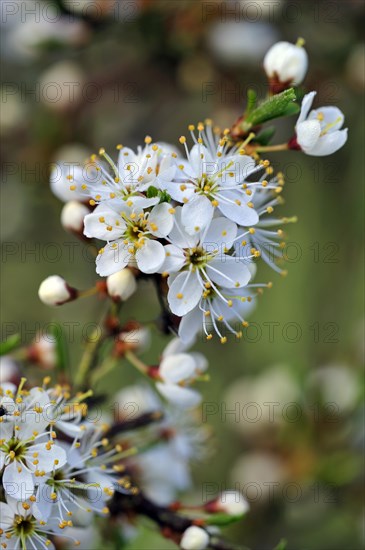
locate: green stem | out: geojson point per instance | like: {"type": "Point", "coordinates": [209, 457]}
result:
{"type": "Point", "coordinates": [137, 363]}
{"type": "Point", "coordinates": [88, 358]}
{"type": "Point", "coordinates": [267, 148]}
{"type": "Point", "coordinates": [106, 367]}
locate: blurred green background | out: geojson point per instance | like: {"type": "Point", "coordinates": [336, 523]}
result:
{"type": "Point", "coordinates": [151, 67]}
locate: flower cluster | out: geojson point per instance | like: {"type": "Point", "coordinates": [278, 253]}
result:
{"type": "Point", "coordinates": [201, 220]}
{"type": "Point", "coordinates": [54, 463]}
{"type": "Point", "coordinates": [192, 220]}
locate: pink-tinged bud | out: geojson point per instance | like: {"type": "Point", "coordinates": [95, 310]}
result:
{"type": "Point", "coordinates": [228, 502]}
{"type": "Point", "coordinates": [9, 371]}
{"type": "Point", "coordinates": [194, 538]}
{"type": "Point", "coordinates": [43, 351]}
{"type": "Point", "coordinates": [72, 217]}
{"type": "Point", "coordinates": [54, 291]}
{"type": "Point", "coordinates": [133, 337]}
{"type": "Point", "coordinates": [121, 285]}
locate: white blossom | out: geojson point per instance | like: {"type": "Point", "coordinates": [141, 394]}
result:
{"type": "Point", "coordinates": [213, 177]}
{"type": "Point", "coordinates": [20, 529]}
{"type": "Point", "coordinates": [131, 235]}
{"type": "Point", "coordinates": [27, 448]}
{"type": "Point", "coordinates": [104, 181]}
{"type": "Point", "coordinates": [86, 481]}
{"type": "Point", "coordinates": [200, 265]}
{"type": "Point", "coordinates": [179, 368]}
{"type": "Point", "coordinates": [318, 132]}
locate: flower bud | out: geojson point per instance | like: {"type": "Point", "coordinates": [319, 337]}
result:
{"type": "Point", "coordinates": [285, 65]}
{"type": "Point", "coordinates": [72, 216]}
{"type": "Point", "coordinates": [54, 291]}
{"type": "Point", "coordinates": [229, 502]}
{"type": "Point", "coordinates": [194, 538]}
{"type": "Point", "coordinates": [43, 351]}
{"type": "Point", "coordinates": [121, 285]}
{"type": "Point", "coordinates": [132, 337]}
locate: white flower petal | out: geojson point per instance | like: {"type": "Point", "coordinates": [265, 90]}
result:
{"type": "Point", "coordinates": [190, 326]}
{"type": "Point", "coordinates": [328, 115]}
{"type": "Point", "coordinates": [197, 214]}
{"type": "Point", "coordinates": [113, 258]}
{"type": "Point", "coordinates": [306, 105]}
{"type": "Point", "coordinates": [60, 184]}
{"type": "Point", "coordinates": [184, 398]}
{"type": "Point", "coordinates": [228, 272]}
{"type": "Point", "coordinates": [329, 143]}
{"type": "Point", "coordinates": [235, 169]}
{"type": "Point", "coordinates": [308, 133]}
{"type": "Point", "coordinates": [220, 235]}
{"type": "Point", "coordinates": [241, 214]}
{"type": "Point", "coordinates": [46, 457]}
{"type": "Point", "coordinates": [179, 191]}
{"type": "Point", "coordinates": [201, 161]}
{"type": "Point", "coordinates": [102, 224]}
{"type": "Point", "coordinates": [139, 201]}
{"type": "Point", "coordinates": [17, 484]}
{"type": "Point", "coordinates": [184, 293]}
{"type": "Point", "coordinates": [150, 256]}
{"type": "Point", "coordinates": [176, 345]}
{"type": "Point", "coordinates": [6, 516]}
{"type": "Point", "coordinates": [161, 217]}
{"type": "Point", "coordinates": [201, 362]}
{"type": "Point", "coordinates": [177, 368]}
{"type": "Point", "coordinates": [174, 259]}
{"type": "Point", "coordinates": [178, 235]}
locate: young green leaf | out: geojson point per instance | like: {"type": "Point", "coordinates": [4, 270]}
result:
{"type": "Point", "coordinates": [251, 101]}
{"type": "Point", "coordinates": [274, 107]}
{"type": "Point", "coordinates": [11, 343]}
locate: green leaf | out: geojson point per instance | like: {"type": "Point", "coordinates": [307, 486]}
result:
{"type": "Point", "coordinates": [11, 343]}
{"type": "Point", "coordinates": [164, 196]}
{"type": "Point", "coordinates": [152, 192]}
{"type": "Point", "coordinates": [292, 109]}
{"type": "Point", "coordinates": [264, 137]}
{"type": "Point", "coordinates": [61, 347]}
{"type": "Point", "coordinates": [251, 101]}
{"type": "Point", "coordinates": [274, 107]}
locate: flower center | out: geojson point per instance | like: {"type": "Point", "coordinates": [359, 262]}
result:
{"type": "Point", "coordinates": [206, 186]}
{"type": "Point", "coordinates": [14, 449]}
{"type": "Point", "coordinates": [23, 526]}
{"type": "Point", "coordinates": [197, 257]}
